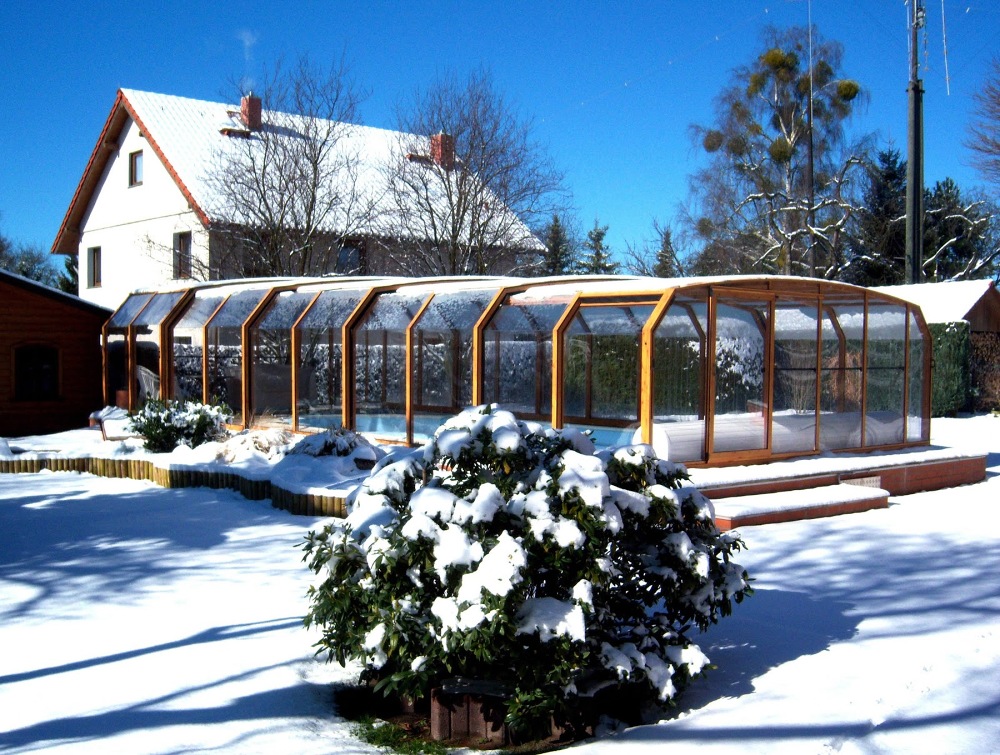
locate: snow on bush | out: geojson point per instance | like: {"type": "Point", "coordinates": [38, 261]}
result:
{"type": "Point", "coordinates": [270, 443]}
{"type": "Point", "coordinates": [165, 425]}
{"type": "Point", "coordinates": [338, 441]}
{"type": "Point", "coordinates": [511, 552]}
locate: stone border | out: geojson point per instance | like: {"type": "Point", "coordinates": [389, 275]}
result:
{"type": "Point", "coordinates": [305, 504]}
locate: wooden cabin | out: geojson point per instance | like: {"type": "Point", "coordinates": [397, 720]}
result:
{"type": "Point", "coordinates": [50, 358]}
{"type": "Point", "coordinates": [977, 303]}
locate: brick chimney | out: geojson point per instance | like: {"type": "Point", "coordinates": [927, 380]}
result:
{"type": "Point", "coordinates": [250, 111]}
{"type": "Point", "coordinates": [443, 150]}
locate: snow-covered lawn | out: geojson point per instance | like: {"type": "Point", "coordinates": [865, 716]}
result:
{"type": "Point", "coordinates": [142, 620]}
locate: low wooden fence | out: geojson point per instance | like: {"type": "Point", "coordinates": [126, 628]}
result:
{"type": "Point", "coordinates": [306, 504]}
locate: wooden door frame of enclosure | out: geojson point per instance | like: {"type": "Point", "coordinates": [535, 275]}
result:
{"type": "Point", "coordinates": [762, 295]}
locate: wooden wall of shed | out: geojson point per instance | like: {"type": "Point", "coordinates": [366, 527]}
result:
{"type": "Point", "coordinates": [984, 317]}
{"type": "Point", "coordinates": [27, 317]}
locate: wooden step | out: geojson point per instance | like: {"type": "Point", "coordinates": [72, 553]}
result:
{"type": "Point", "coordinates": [793, 505]}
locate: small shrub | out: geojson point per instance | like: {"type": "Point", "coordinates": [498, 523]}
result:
{"type": "Point", "coordinates": [511, 552]}
{"type": "Point", "coordinates": [337, 441]}
{"type": "Point", "coordinates": [165, 425]}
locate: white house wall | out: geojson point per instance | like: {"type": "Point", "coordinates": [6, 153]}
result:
{"type": "Point", "coordinates": [135, 226]}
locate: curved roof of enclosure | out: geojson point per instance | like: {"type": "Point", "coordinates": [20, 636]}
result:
{"type": "Point", "coordinates": [554, 289]}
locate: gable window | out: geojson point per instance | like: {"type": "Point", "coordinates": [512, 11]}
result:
{"type": "Point", "coordinates": [94, 267]}
{"type": "Point", "coordinates": [135, 168]}
{"type": "Point", "coordinates": [182, 255]}
{"type": "Point", "coordinates": [36, 373]}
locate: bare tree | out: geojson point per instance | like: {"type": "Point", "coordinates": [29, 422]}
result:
{"type": "Point", "coordinates": [657, 257]}
{"type": "Point", "coordinates": [466, 183]}
{"type": "Point", "coordinates": [781, 173]}
{"type": "Point", "coordinates": [288, 181]}
{"type": "Point", "coordinates": [984, 131]}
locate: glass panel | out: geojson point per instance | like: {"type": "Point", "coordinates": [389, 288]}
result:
{"type": "Point", "coordinates": [917, 426]}
{"type": "Point", "coordinates": [601, 377]}
{"type": "Point", "coordinates": [320, 353]}
{"type": "Point", "coordinates": [793, 426]}
{"type": "Point", "coordinates": [840, 380]}
{"type": "Point", "coordinates": [188, 344]}
{"type": "Point", "coordinates": [442, 359]}
{"type": "Point", "coordinates": [679, 359]}
{"type": "Point", "coordinates": [147, 346]}
{"type": "Point", "coordinates": [225, 349]}
{"type": "Point", "coordinates": [740, 422]}
{"type": "Point", "coordinates": [380, 365]}
{"type": "Point", "coordinates": [886, 375]}
{"type": "Point", "coordinates": [127, 311]}
{"type": "Point", "coordinates": [271, 369]}
{"type": "Point", "coordinates": [158, 308]}
{"type": "Point", "coordinates": [518, 357]}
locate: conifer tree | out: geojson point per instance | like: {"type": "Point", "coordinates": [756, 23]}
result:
{"type": "Point", "coordinates": [597, 258]}
{"type": "Point", "coordinates": [558, 256]}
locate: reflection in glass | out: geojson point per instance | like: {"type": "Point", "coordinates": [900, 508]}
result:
{"type": "Point", "coordinates": [321, 355]}
{"type": "Point", "coordinates": [271, 368]}
{"type": "Point", "coordinates": [601, 375]}
{"type": "Point", "coordinates": [793, 425]}
{"type": "Point", "coordinates": [442, 357]}
{"type": "Point", "coordinates": [380, 365]}
{"type": "Point", "coordinates": [679, 360]}
{"type": "Point", "coordinates": [517, 348]}
{"type": "Point", "coordinates": [740, 422]}
{"type": "Point", "coordinates": [842, 349]}
{"type": "Point", "coordinates": [886, 374]}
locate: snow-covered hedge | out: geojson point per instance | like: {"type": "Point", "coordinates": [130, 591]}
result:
{"type": "Point", "coordinates": [511, 552]}
{"type": "Point", "coordinates": [165, 425]}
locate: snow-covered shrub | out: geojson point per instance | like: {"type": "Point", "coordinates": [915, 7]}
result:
{"type": "Point", "coordinates": [165, 425]}
{"type": "Point", "coordinates": [338, 441]}
{"type": "Point", "coordinates": [271, 443]}
{"type": "Point", "coordinates": [512, 552]}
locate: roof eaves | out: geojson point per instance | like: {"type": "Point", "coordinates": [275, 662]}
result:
{"type": "Point", "coordinates": [68, 237]}
{"type": "Point", "coordinates": [202, 216]}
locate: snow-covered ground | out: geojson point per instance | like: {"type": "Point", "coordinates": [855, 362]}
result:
{"type": "Point", "coordinates": [142, 620]}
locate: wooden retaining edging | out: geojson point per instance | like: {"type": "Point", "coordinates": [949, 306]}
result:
{"type": "Point", "coordinates": [306, 504]}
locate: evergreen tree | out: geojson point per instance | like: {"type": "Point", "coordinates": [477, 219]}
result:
{"type": "Point", "coordinates": [69, 278]}
{"type": "Point", "coordinates": [667, 265]}
{"type": "Point", "coordinates": [558, 256]}
{"type": "Point", "coordinates": [878, 245]}
{"type": "Point", "coordinates": [597, 258]}
{"type": "Point", "coordinates": [958, 242]}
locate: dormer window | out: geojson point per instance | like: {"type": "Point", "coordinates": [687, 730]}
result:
{"type": "Point", "coordinates": [135, 168]}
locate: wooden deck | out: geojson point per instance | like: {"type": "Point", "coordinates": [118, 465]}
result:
{"type": "Point", "coordinates": [829, 486]}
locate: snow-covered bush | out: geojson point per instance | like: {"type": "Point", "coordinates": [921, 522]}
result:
{"type": "Point", "coordinates": [512, 552]}
{"type": "Point", "coordinates": [270, 443]}
{"type": "Point", "coordinates": [338, 441]}
{"type": "Point", "coordinates": [165, 425]}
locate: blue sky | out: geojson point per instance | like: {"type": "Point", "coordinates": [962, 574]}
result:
{"type": "Point", "coordinates": [612, 87]}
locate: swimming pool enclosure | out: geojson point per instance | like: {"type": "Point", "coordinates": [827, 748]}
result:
{"type": "Point", "coordinates": [708, 370]}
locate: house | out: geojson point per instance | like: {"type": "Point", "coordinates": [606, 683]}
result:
{"type": "Point", "coordinates": [156, 203]}
{"type": "Point", "coordinates": [966, 357]}
{"type": "Point", "coordinates": [50, 358]}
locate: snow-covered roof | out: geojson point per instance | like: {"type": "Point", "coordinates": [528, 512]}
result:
{"type": "Point", "coordinates": [194, 137]}
{"type": "Point", "coordinates": [941, 302]}
{"type": "Point", "coordinates": [49, 291]}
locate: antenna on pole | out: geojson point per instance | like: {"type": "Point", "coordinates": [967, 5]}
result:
{"type": "Point", "coordinates": [810, 216]}
{"type": "Point", "coordinates": [915, 154]}
{"type": "Point", "coordinates": [944, 42]}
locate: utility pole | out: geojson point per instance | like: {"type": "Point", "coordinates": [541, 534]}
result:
{"type": "Point", "coordinates": [915, 156]}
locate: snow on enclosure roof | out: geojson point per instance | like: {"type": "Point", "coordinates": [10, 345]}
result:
{"type": "Point", "coordinates": [941, 302]}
